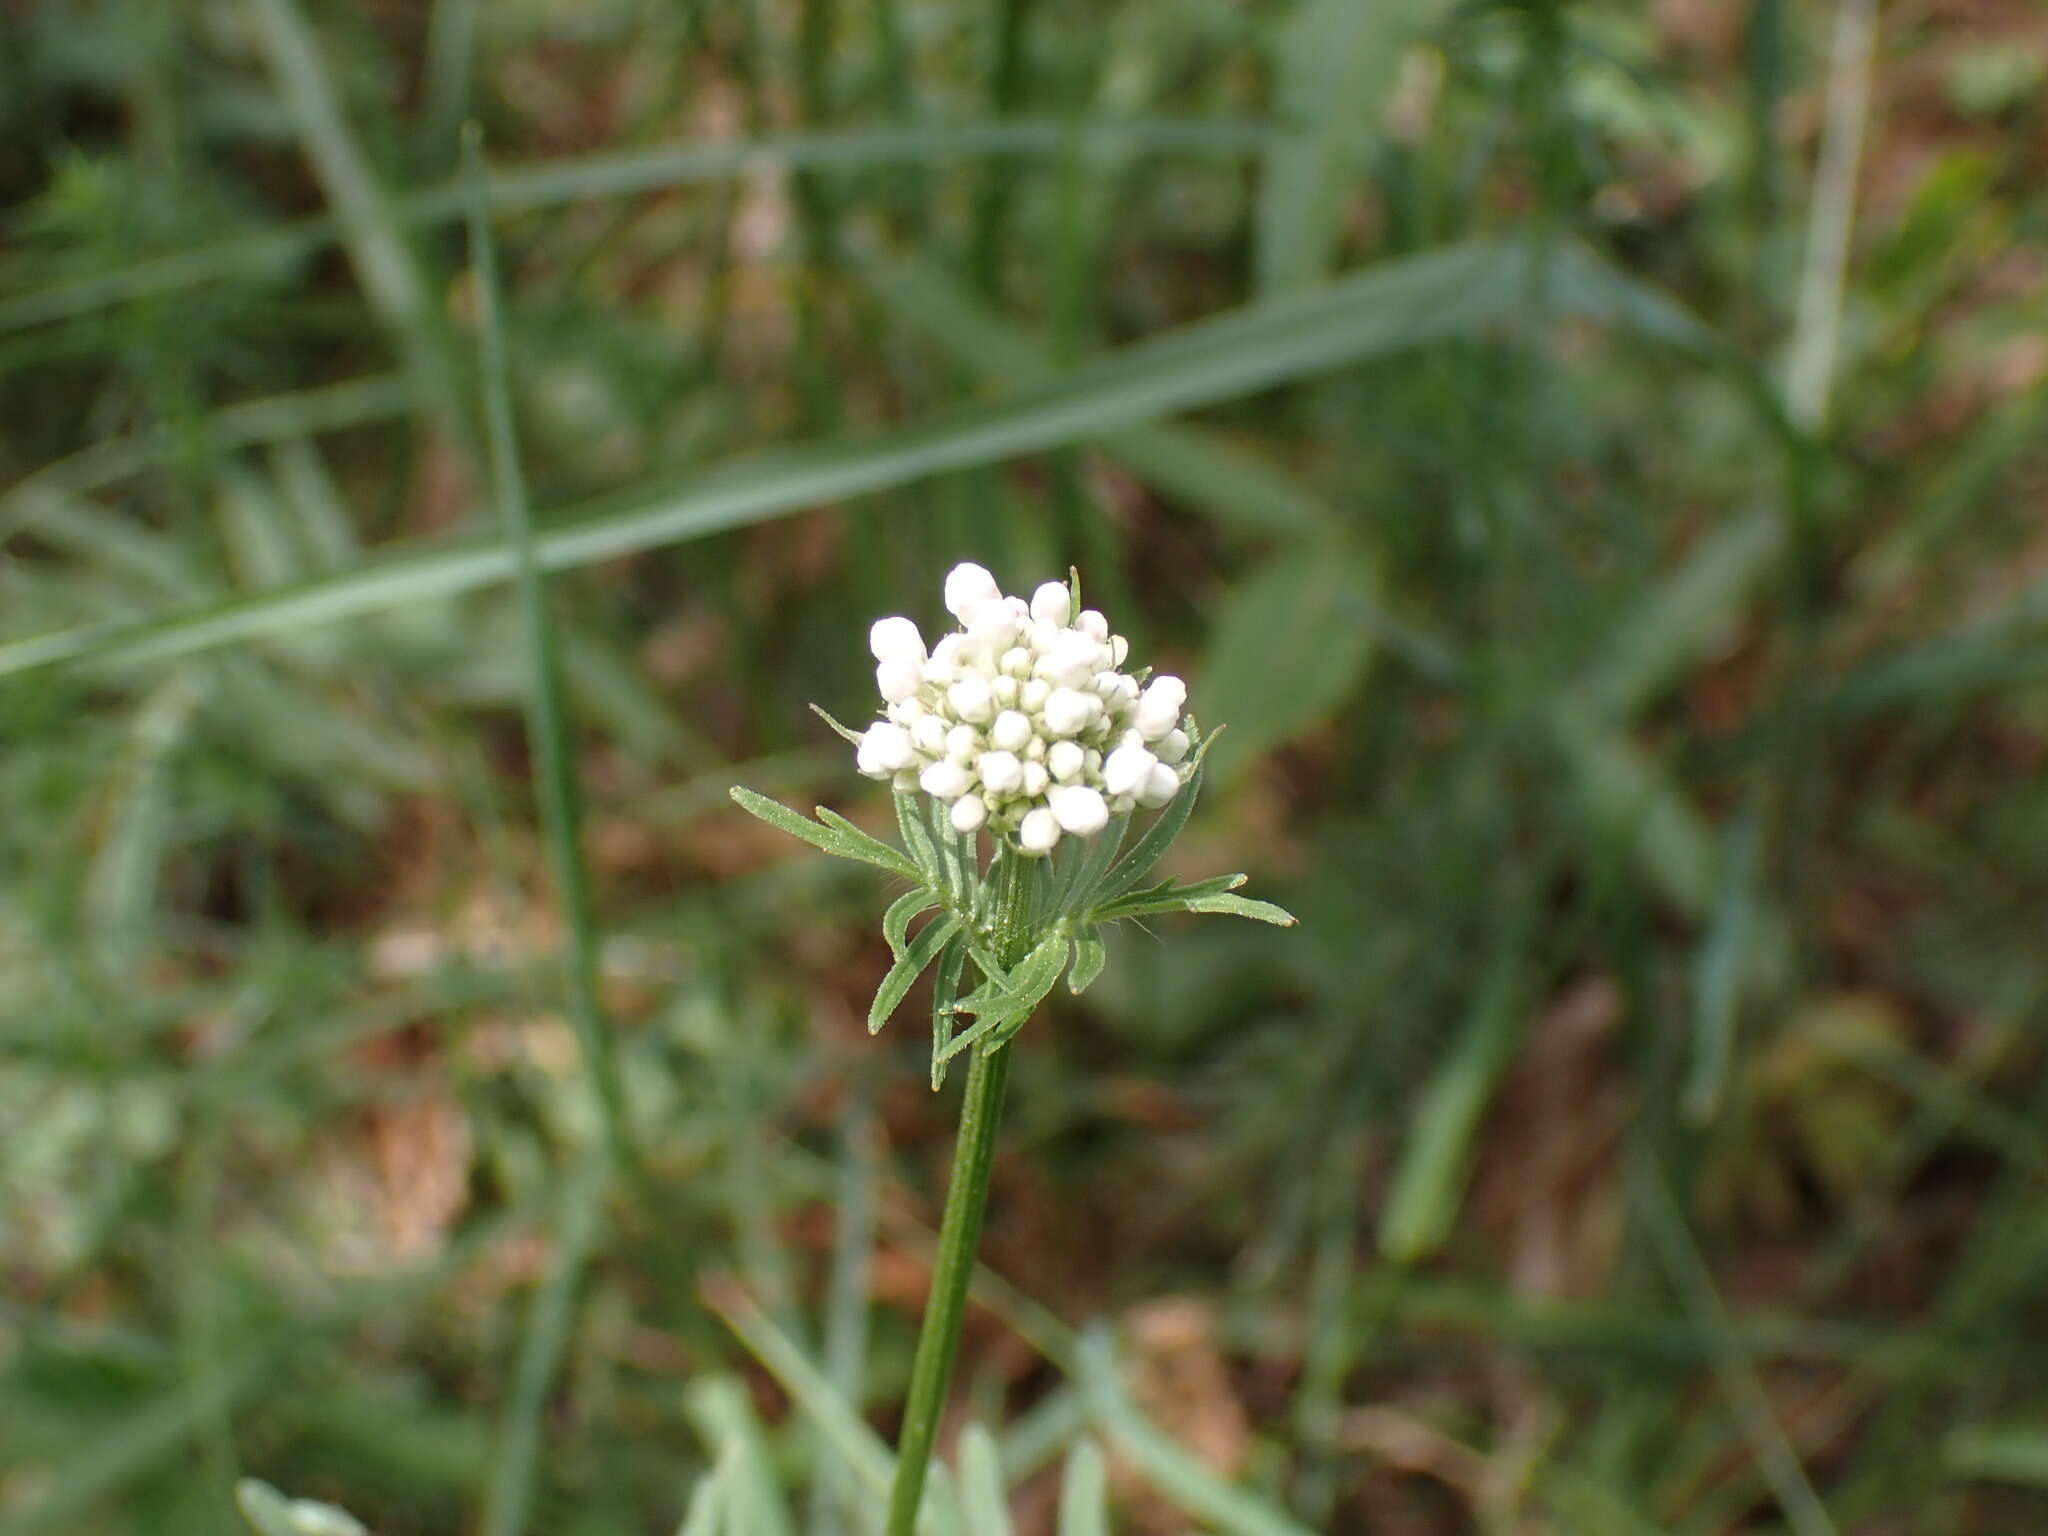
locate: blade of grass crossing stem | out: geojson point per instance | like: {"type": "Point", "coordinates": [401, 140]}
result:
{"type": "Point", "coordinates": [384, 261]}
{"type": "Point", "coordinates": [724, 1416]}
{"type": "Point", "coordinates": [574, 1233]}
{"type": "Point", "coordinates": [547, 716]}
{"type": "Point", "coordinates": [981, 1484]}
{"type": "Point", "coordinates": [1169, 1468]}
{"type": "Point", "coordinates": [1759, 1424]}
{"type": "Point", "coordinates": [855, 1439]}
{"type": "Point", "coordinates": [1084, 1492]}
{"type": "Point", "coordinates": [1387, 309]}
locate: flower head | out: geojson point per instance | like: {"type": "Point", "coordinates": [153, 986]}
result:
{"type": "Point", "coordinates": [1023, 720]}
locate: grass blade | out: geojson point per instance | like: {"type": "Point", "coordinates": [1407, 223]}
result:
{"type": "Point", "coordinates": [547, 715]}
{"type": "Point", "coordinates": [1084, 1492]}
{"type": "Point", "coordinates": [384, 261]}
{"type": "Point", "coordinates": [1389, 308]}
{"type": "Point", "coordinates": [575, 1228]}
{"type": "Point", "coordinates": [981, 1484]}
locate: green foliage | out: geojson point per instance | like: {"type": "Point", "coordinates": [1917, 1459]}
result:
{"type": "Point", "coordinates": [1657, 777]}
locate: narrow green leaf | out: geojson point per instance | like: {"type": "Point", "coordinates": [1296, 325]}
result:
{"type": "Point", "coordinates": [920, 953]}
{"type": "Point", "coordinates": [945, 992]}
{"type": "Point", "coordinates": [1387, 308]}
{"type": "Point", "coordinates": [1289, 648]}
{"type": "Point", "coordinates": [829, 839]}
{"type": "Point", "coordinates": [919, 841]}
{"type": "Point", "coordinates": [896, 921]}
{"type": "Point", "coordinates": [1084, 1492]}
{"type": "Point", "coordinates": [981, 1484]}
{"type": "Point", "coordinates": [705, 1515]}
{"type": "Point", "coordinates": [1718, 971]}
{"type": "Point", "coordinates": [1429, 1184]}
{"type": "Point", "coordinates": [547, 713]}
{"type": "Point", "coordinates": [1337, 61]}
{"type": "Point", "coordinates": [1244, 906]}
{"type": "Point", "coordinates": [1007, 1000]}
{"type": "Point", "coordinates": [1082, 871]}
{"type": "Point", "coordinates": [577, 1227]}
{"type": "Point", "coordinates": [1090, 953]}
{"type": "Point", "coordinates": [2000, 1453]}
{"type": "Point", "coordinates": [845, 732]}
{"type": "Point", "coordinates": [873, 849]}
{"type": "Point", "coordinates": [1169, 1468]}
{"type": "Point", "coordinates": [724, 1415]}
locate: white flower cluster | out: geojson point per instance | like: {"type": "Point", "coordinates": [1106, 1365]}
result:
{"type": "Point", "coordinates": [1020, 721]}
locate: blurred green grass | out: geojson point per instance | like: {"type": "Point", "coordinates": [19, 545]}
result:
{"type": "Point", "coordinates": [1640, 1133]}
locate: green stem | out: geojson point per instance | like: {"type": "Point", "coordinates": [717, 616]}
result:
{"type": "Point", "coordinates": [981, 1112]}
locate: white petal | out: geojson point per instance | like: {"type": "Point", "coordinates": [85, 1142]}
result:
{"type": "Point", "coordinates": [1001, 773]}
{"type": "Point", "coordinates": [1161, 785]}
{"type": "Point", "coordinates": [1052, 603]}
{"type": "Point", "coordinates": [1039, 832]}
{"type": "Point", "coordinates": [972, 701]}
{"type": "Point", "coordinates": [944, 780]}
{"type": "Point", "coordinates": [1011, 731]}
{"type": "Point", "coordinates": [890, 746]}
{"type": "Point", "coordinates": [1065, 711]}
{"type": "Point", "coordinates": [1078, 809]}
{"type": "Point", "coordinates": [899, 677]}
{"type": "Point", "coordinates": [1125, 769]}
{"type": "Point", "coordinates": [966, 585]}
{"type": "Point", "coordinates": [895, 637]}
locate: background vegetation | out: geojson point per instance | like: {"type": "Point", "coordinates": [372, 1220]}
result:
{"type": "Point", "coordinates": [1591, 455]}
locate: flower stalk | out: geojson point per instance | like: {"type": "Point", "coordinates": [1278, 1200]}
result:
{"type": "Point", "coordinates": [1021, 731]}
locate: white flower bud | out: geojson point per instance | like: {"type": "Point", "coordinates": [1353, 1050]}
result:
{"type": "Point", "coordinates": [968, 813]}
{"type": "Point", "coordinates": [1159, 707]}
{"type": "Point", "coordinates": [868, 763]}
{"type": "Point", "coordinates": [908, 711]}
{"type": "Point", "coordinates": [929, 735]}
{"type": "Point", "coordinates": [1078, 809]}
{"type": "Point", "coordinates": [1119, 650]}
{"type": "Point", "coordinates": [1001, 773]}
{"type": "Point", "coordinates": [895, 637]}
{"type": "Point", "coordinates": [1011, 731]}
{"type": "Point", "coordinates": [1070, 663]}
{"type": "Point", "coordinates": [1039, 832]}
{"type": "Point", "coordinates": [1092, 624]}
{"type": "Point", "coordinates": [904, 782]}
{"type": "Point", "coordinates": [1034, 749]}
{"type": "Point", "coordinates": [966, 585]}
{"type": "Point", "coordinates": [1016, 662]}
{"type": "Point", "coordinates": [1035, 780]}
{"type": "Point", "coordinates": [1173, 746]}
{"type": "Point", "coordinates": [1124, 770]}
{"type": "Point", "coordinates": [1066, 760]}
{"type": "Point", "coordinates": [1161, 785]}
{"type": "Point", "coordinates": [1065, 711]}
{"type": "Point", "coordinates": [1052, 604]}
{"type": "Point", "coordinates": [1004, 690]}
{"type": "Point", "coordinates": [899, 677]}
{"type": "Point", "coordinates": [971, 700]}
{"type": "Point", "coordinates": [1032, 695]}
{"type": "Point", "coordinates": [991, 623]}
{"type": "Point", "coordinates": [944, 780]}
{"type": "Point", "coordinates": [889, 745]}
{"type": "Point", "coordinates": [963, 744]}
